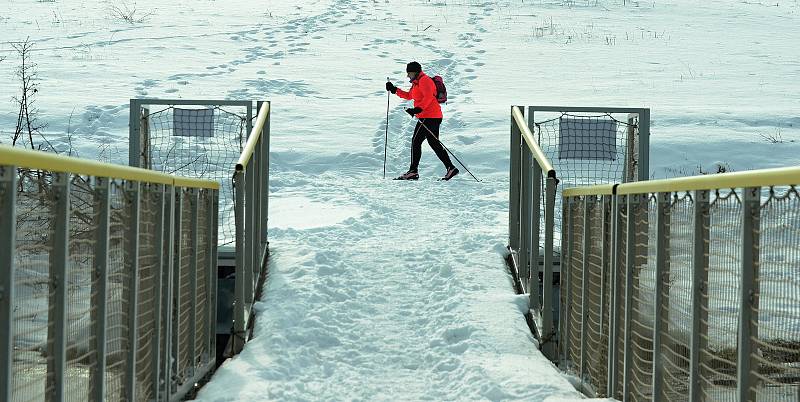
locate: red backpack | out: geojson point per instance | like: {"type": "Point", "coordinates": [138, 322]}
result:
{"type": "Point", "coordinates": [441, 90]}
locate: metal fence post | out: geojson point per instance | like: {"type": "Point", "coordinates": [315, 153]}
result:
{"type": "Point", "coordinates": [8, 227]}
{"type": "Point", "coordinates": [176, 300]}
{"type": "Point", "coordinates": [102, 204]}
{"type": "Point", "coordinates": [171, 221]}
{"type": "Point", "coordinates": [524, 252]}
{"type": "Point", "coordinates": [748, 297]}
{"type": "Point", "coordinates": [134, 135]}
{"type": "Point", "coordinates": [194, 199]}
{"type": "Point", "coordinates": [548, 332]}
{"type": "Point", "coordinates": [59, 262]}
{"type": "Point", "coordinates": [514, 183]}
{"type": "Point", "coordinates": [587, 233]}
{"type": "Point", "coordinates": [658, 304]}
{"type": "Point", "coordinates": [248, 238]}
{"type": "Point", "coordinates": [613, 333]}
{"type": "Point", "coordinates": [533, 249]}
{"type": "Point", "coordinates": [239, 297]}
{"type": "Point", "coordinates": [566, 272]}
{"type": "Point", "coordinates": [644, 145]}
{"type": "Point", "coordinates": [211, 285]}
{"type": "Point", "coordinates": [265, 184]}
{"type": "Point", "coordinates": [132, 265]}
{"type": "Point", "coordinates": [604, 273]}
{"type": "Point", "coordinates": [700, 263]}
{"type": "Point", "coordinates": [632, 201]}
{"type": "Point", "coordinates": [158, 288]}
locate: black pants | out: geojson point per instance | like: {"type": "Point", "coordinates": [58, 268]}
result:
{"type": "Point", "coordinates": [432, 135]}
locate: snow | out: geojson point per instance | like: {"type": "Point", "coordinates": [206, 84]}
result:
{"type": "Point", "coordinates": [391, 290]}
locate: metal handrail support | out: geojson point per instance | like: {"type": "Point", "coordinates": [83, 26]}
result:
{"type": "Point", "coordinates": [528, 167]}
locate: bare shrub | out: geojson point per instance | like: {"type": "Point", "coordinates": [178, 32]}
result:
{"type": "Point", "coordinates": [129, 13]}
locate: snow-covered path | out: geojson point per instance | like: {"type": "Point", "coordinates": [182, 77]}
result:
{"type": "Point", "coordinates": [405, 298]}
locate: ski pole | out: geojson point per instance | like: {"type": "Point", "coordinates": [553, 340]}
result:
{"type": "Point", "coordinates": [386, 136]}
{"type": "Point", "coordinates": [448, 150]}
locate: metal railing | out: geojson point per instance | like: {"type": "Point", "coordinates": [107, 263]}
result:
{"type": "Point", "coordinates": [528, 168]}
{"type": "Point", "coordinates": [217, 140]}
{"type": "Point", "coordinates": [107, 280]}
{"type": "Point", "coordinates": [685, 289]}
{"type": "Point", "coordinates": [250, 187]}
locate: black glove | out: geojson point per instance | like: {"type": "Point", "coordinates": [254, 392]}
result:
{"type": "Point", "coordinates": [414, 110]}
{"type": "Point", "coordinates": [390, 87]}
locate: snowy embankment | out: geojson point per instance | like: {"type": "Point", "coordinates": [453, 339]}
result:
{"type": "Point", "coordinates": [396, 291]}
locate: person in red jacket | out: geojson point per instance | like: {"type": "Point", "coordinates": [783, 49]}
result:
{"type": "Point", "coordinates": [426, 109]}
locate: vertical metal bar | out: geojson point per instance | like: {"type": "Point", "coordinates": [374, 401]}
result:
{"type": "Point", "coordinates": [59, 263]}
{"type": "Point", "coordinates": [134, 197]}
{"type": "Point", "coordinates": [659, 313]}
{"type": "Point", "coordinates": [134, 137]}
{"type": "Point", "coordinates": [566, 272]}
{"type": "Point", "coordinates": [239, 297]}
{"type": "Point", "coordinates": [613, 352]}
{"type": "Point", "coordinates": [194, 200]}
{"type": "Point", "coordinates": [211, 274]}
{"type": "Point", "coordinates": [8, 228]}
{"type": "Point", "coordinates": [248, 239]}
{"type": "Point", "coordinates": [214, 259]}
{"type": "Point", "coordinates": [525, 227]}
{"type": "Point", "coordinates": [700, 263]}
{"type": "Point", "coordinates": [260, 186]}
{"type": "Point", "coordinates": [167, 302]}
{"type": "Point", "coordinates": [514, 183]}
{"type": "Point", "coordinates": [748, 329]}
{"type": "Point", "coordinates": [632, 201]}
{"type": "Point", "coordinates": [548, 333]}
{"type": "Point", "coordinates": [102, 204]}
{"type": "Point", "coordinates": [644, 145]}
{"type": "Point", "coordinates": [176, 300]}
{"type": "Point", "coordinates": [265, 184]}
{"type": "Point", "coordinates": [159, 288]}
{"type": "Point", "coordinates": [533, 248]}
{"type": "Point", "coordinates": [587, 233]}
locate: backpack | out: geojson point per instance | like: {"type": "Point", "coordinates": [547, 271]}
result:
{"type": "Point", "coordinates": [441, 90]}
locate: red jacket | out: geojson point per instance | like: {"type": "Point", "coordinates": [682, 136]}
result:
{"type": "Point", "coordinates": [423, 91]}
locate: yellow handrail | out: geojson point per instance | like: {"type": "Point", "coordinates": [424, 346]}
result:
{"type": "Point", "coordinates": [540, 157]}
{"type": "Point", "coordinates": [26, 158]}
{"type": "Point", "coordinates": [753, 178]}
{"type": "Point", "coordinates": [601, 189]}
{"type": "Point", "coordinates": [252, 139]}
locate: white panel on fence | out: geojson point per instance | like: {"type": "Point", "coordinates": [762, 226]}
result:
{"type": "Point", "coordinates": [587, 138]}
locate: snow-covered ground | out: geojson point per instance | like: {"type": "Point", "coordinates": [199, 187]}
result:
{"type": "Point", "coordinates": [397, 291]}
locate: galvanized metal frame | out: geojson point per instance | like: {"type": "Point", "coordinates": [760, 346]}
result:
{"type": "Point", "coordinates": [566, 283]}
{"type": "Point", "coordinates": [526, 267]}
{"type": "Point", "coordinates": [175, 301]}
{"type": "Point", "coordinates": [194, 198]}
{"type": "Point", "coordinates": [514, 190]}
{"type": "Point", "coordinates": [170, 206]}
{"type": "Point", "coordinates": [632, 202]}
{"type": "Point", "coordinates": [59, 262]}
{"type": "Point", "coordinates": [700, 266]}
{"type": "Point", "coordinates": [658, 304]}
{"type": "Point", "coordinates": [613, 351]}
{"type": "Point", "coordinates": [133, 195]}
{"type": "Point", "coordinates": [548, 330]}
{"type": "Point", "coordinates": [748, 296]}
{"type": "Point", "coordinates": [102, 204]}
{"type": "Point", "coordinates": [8, 227]}
{"type": "Point", "coordinates": [162, 221]}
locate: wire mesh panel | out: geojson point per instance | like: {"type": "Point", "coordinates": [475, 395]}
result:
{"type": "Point", "coordinates": [596, 343]}
{"type": "Point", "coordinates": [718, 359]}
{"type": "Point", "coordinates": [575, 303]}
{"type": "Point", "coordinates": [149, 271]}
{"type": "Point", "coordinates": [202, 141]}
{"type": "Point", "coordinates": [82, 291]}
{"type": "Point", "coordinates": [118, 290]}
{"type": "Point", "coordinates": [642, 296]}
{"type": "Point", "coordinates": [677, 296]}
{"type": "Point", "coordinates": [587, 148]}
{"type": "Point", "coordinates": [776, 349]}
{"type": "Point", "coordinates": [200, 337]}
{"type": "Point", "coordinates": [34, 242]}
{"type": "Point", "coordinates": [621, 284]}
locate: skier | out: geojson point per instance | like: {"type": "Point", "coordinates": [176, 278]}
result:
{"type": "Point", "coordinates": [429, 114]}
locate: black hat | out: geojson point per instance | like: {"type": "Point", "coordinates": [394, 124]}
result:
{"type": "Point", "coordinates": [413, 67]}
